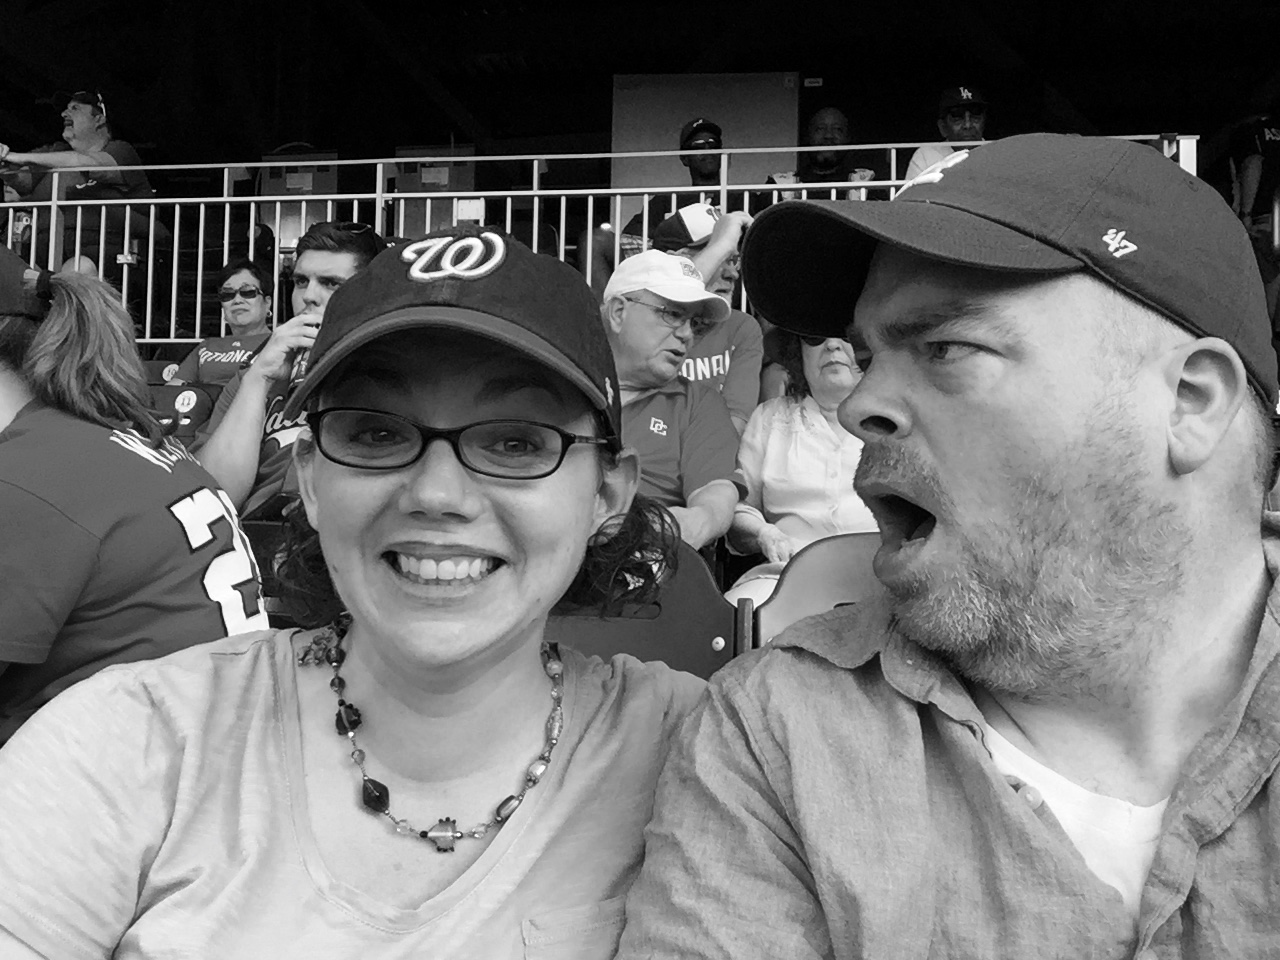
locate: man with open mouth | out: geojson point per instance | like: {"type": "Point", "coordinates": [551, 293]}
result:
{"type": "Point", "coordinates": [1054, 733]}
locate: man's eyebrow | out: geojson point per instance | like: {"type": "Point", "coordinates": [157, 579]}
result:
{"type": "Point", "coordinates": [951, 314]}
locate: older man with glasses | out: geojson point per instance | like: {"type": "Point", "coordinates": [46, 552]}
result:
{"type": "Point", "coordinates": [682, 430]}
{"type": "Point", "coordinates": [962, 118]}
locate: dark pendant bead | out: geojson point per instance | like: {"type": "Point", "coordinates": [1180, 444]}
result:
{"type": "Point", "coordinates": [347, 718]}
{"type": "Point", "coordinates": [337, 684]}
{"type": "Point", "coordinates": [375, 795]}
{"type": "Point", "coordinates": [335, 656]}
{"type": "Point", "coordinates": [506, 808]}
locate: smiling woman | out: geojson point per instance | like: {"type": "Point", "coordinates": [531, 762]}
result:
{"type": "Point", "coordinates": [346, 789]}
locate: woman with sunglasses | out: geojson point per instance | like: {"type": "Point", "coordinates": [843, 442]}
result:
{"type": "Point", "coordinates": [243, 290]}
{"type": "Point", "coordinates": [421, 775]}
{"type": "Point", "coordinates": [798, 462]}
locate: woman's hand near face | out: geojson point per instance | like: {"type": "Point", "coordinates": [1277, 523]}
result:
{"type": "Point", "coordinates": [776, 546]}
{"type": "Point", "coordinates": [275, 362]}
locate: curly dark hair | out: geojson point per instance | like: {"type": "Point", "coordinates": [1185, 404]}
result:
{"type": "Point", "coordinates": [624, 564]}
{"type": "Point", "coordinates": [791, 359]}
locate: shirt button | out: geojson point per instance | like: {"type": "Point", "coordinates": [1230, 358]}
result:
{"type": "Point", "coordinates": [1032, 796]}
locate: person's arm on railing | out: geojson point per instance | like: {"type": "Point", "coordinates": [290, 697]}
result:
{"type": "Point", "coordinates": [59, 158]}
{"type": "Point", "coordinates": [235, 443]}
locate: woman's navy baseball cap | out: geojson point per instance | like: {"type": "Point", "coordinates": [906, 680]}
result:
{"type": "Point", "coordinates": [481, 281]}
{"type": "Point", "coordinates": [1035, 204]}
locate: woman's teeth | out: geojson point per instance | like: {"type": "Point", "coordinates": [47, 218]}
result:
{"type": "Point", "coordinates": [457, 568]}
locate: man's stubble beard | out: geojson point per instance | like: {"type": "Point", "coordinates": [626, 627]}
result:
{"type": "Point", "coordinates": [1065, 598]}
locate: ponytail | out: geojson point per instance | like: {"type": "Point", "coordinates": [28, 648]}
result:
{"type": "Point", "coordinates": [84, 361]}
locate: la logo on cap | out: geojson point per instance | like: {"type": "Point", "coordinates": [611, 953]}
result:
{"type": "Point", "coordinates": [465, 257]}
{"type": "Point", "coordinates": [966, 93]}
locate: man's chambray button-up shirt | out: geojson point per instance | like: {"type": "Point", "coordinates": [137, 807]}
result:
{"type": "Point", "coordinates": [832, 797]}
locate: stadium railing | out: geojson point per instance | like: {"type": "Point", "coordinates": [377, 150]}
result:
{"type": "Point", "coordinates": [161, 252]}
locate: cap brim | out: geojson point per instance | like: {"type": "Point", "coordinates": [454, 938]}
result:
{"type": "Point", "coordinates": [445, 318]}
{"type": "Point", "coordinates": [716, 308]}
{"type": "Point", "coordinates": [805, 262]}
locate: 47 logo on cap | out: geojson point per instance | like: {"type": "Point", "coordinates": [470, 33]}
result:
{"type": "Point", "coordinates": [463, 257]}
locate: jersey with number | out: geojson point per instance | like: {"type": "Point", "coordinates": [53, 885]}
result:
{"type": "Point", "coordinates": [112, 551]}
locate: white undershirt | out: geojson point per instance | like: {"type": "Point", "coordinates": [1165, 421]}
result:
{"type": "Point", "coordinates": [1116, 838]}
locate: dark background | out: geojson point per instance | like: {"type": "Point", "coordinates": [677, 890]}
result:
{"type": "Point", "coordinates": [199, 81]}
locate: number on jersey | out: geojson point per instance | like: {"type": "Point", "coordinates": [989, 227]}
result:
{"type": "Point", "coordinates": [230, 569]}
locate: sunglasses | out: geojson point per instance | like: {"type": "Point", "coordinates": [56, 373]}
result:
{"type": "Point", "coordinates": [819, 341]}
{"type": "Point", "coordinates": [226, 295]}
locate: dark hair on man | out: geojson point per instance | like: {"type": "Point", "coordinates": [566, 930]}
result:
{"type": "Point", "coordinates": [82, 358]}
{"type": "Point", "coordinates": [244, 264]}
{"type": "Point", "coordinates": [337, 236]}
{"type": "Point", "coordinates": [624, 565]}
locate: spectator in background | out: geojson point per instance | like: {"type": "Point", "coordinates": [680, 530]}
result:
{"type": "Point", "coordinates": [1256, 156]}
{"type": "Point", "coordinates": [697, 137]}
{"type": "Point", "coordinates": [117, 546]}
{"type": "Point", "coordinates": [827, 127]}
{"type": "Point", "coordinates": [962, 116]}
{"type": "Point", "coordinates": [798, 463]}
{"type": "Point", "coordinates": [727, 353]}
{"type": "Point", "coordinates": [87, 141]}
{"type": "Point", "coordinates": [681, 430]}
{"type": "Point", "coordinates": [247, 442]}
{"type": "Point", "coordinates": [243, 290]}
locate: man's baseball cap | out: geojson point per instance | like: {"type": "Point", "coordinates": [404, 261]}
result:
{"type": "Point", "coordinates": [24, 290]}
{"type": "Point", "coordinates": [1034, 204]}
{"type": "Point", "coordinates": [476, 280]}
{"type": "Point", "coordinates": [667, 275]}
{"type": "Point", "coordinates": [700, 128]}
{"type": "Point", "coordinates": [690, 226]}
{"type": "Point", "coordinates": [961, 97]}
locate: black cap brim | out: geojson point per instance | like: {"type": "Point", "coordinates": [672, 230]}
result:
{"type": "Point", "coordinates": [805, 262]}
{"type": "Point", "coordinates": [447, 318]}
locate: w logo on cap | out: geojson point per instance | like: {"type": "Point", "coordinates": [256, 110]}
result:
{"type": "Point", "coordinates": [463, 257]}
{"type": "Point", "coordinates": [934, 173]}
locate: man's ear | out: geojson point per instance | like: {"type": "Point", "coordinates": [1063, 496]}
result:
{"type": "Point", "coordinates": [1210, 385]}
{"type": "Point", "coordinates": [618, 485]}
{"type": "Point", "coordinates": [943, 128]}
{"type": "Point", "coordinates": [304, 461]}
{"type": "Point", "coordinates": [612, 312]}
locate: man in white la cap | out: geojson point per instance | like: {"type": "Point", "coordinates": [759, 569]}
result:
{"type": "Point", "coordinates": [682, 430]}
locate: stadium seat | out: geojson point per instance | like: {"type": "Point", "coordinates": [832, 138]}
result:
{"type": "Point", "coordinates": [691, 627]}
{"type": "Point", "coordinates": [822, 576]}
{"type": "Point", "coordinates": [188, 405]}
{"type": "Point", "coordinates": [159, 371]}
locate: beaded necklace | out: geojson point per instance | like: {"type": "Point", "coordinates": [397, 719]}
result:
{"type": "Point", "coordinates": [376, 797]}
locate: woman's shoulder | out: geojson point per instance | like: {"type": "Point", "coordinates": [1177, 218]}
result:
{"type": "Point", "coordinates": [633, 690]}
{"type": "Point", "coordinates": [777, 411]}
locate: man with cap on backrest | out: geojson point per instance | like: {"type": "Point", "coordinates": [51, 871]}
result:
{"type": "Point", "coordinates": [727, 354]}
{"type": "Point", "coordinates": [962, 117]}
{"type": "Point", "coordinates": [687, 444]}
{"type": "Point", "coordinates": [1053, 733]}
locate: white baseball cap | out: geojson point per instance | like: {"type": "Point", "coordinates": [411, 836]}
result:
{"type": "Point", "coordinates": [667, 275]}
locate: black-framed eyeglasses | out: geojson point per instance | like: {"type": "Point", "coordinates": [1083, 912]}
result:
{"type": "Point", "coordinates": [675, 319]}
{"type": "Point", "coordinates": [377, 440]}
{"type": "Point", "coordinates": [226, 294]}
{"type": "Point", "coordinates": [819, 341]}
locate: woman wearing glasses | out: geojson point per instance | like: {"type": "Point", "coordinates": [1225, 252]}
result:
{"type": "Point", "coordinates": [421, 775]}
{"type": "Point", "coordinates": [798, 463]}
{"type": "Point", "coordinates": [244, 292]}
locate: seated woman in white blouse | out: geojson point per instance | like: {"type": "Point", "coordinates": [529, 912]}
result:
{"type": "Point", "coordinates": [798, 463]}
